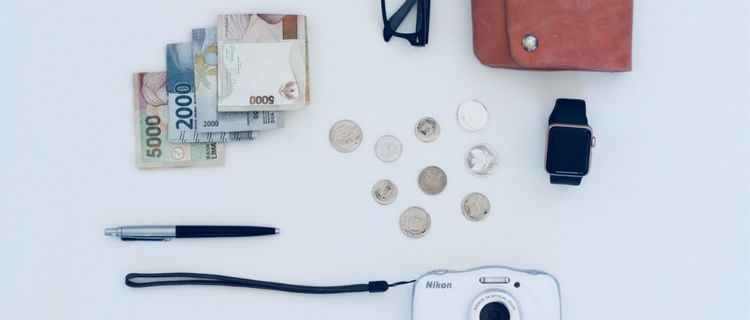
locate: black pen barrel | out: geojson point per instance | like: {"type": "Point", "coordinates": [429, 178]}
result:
{"type": "Point", "coordinates": [221, 231]}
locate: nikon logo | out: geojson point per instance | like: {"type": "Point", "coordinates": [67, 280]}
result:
{"type": "Point", "coordinates": [438, 285]}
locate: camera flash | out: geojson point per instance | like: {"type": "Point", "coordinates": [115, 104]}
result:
{"type": "Point", "coordinates": [494, 280]}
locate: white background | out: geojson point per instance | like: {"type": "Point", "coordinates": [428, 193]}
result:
{"type": "Point", "coordinates": [658, 230]}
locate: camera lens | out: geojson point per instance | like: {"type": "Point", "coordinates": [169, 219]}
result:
{"type": "Point", "coordinates": [494, 305]}
{"type": "Point", "coordinates": [494, 311]}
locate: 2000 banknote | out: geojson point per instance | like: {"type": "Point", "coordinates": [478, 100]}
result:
{"type": "Point", "coordinates": [262, 62]}
{"type": "Point", "coordinates": [151, 122]}
{"type": "Point", "coordinates": [183, 112]}
{"type": "Point", "coordinates": [209, 119]}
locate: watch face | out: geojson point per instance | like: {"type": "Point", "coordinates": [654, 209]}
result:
{"type": "Point", "coordinates": [568, 150]}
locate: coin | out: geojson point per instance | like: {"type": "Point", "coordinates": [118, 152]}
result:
{"type": "Point", "coordinates": [482, 159]}
{"type": "Point", "coordinates": [415, 222]}
{"type": "Point", "coordinates": [384, 192]}
{"type": "Point", "coordinates": [427, 129]}
{"type": "Point", "coordinates": [472, 115]}
{"type": "Point", "coordinates": [432, 180]}
{"type": "Point", "coordinates": [475, 206]}
{"type": "Point", "coordinates": [388, 148]}
{"type": "Point", "coordinates": [345, 136]}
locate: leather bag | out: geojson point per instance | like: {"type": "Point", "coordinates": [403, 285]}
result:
{"type": "Point", "coordinates": [591, 35]}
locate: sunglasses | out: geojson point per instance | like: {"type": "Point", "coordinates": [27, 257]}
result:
{"type": "Point", "coordinates": [392, 23]}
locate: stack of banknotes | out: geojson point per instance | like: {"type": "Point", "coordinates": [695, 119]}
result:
{"type": "Point", "coordinates": [230, 83]}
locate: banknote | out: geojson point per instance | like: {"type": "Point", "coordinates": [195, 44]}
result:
{"type": "Point", "coordinates": [153, 150]}
{"type": "Point", "coordinates": [183, 124]}
{"type": "Point", "coordinates": [263, 62]}
{"type": "Point", "coordinates": [209, 119]}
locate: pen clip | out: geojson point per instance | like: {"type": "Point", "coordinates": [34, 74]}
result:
{"type": "Point", "coordinates": [145, 239]}
{"type": "Point", "coordinates": [142, 233]}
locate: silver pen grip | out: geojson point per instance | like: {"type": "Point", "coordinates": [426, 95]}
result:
{"type": "Point", "coordinates": [158, 233]}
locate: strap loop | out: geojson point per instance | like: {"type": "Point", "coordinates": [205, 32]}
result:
{"type": "Point", "coordinates": [142, 280]}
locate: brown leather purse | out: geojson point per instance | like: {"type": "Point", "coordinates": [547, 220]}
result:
{"type": "Point", "coordinates": [553, 34]}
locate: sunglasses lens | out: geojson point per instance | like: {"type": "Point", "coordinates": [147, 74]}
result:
{"type": "Point", "coordinates": [401, 15]}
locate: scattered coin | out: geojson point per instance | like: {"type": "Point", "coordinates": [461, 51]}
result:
{"type": "Point", "coordinates": [432, 180]}
{"type": "Point", "coordinates": [388, 148]}
{"type": "Point", "coordinates": [475, 206]}
{"type": "Point", "coordinates": [472, 115]}
{"type": "Point", "coordinates": [415, 222]}
{"type": "Point", "coordinates": [345, 136]}
{"type": "Point", "coordinates": [427, 129]}
{"type": "Point", "coordinates": [482, 160]}
{"type": "Point", "coordinates": [384, 192]}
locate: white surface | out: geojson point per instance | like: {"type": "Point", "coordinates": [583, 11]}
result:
{"type": "Point", "coordinates": [658, 230]}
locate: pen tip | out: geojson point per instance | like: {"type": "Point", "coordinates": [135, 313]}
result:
{"type": "Point", "coordinates": [111, 232]}
{"type": "Point", "coordinates": [277, 231]}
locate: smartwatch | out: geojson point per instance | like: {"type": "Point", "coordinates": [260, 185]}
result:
{"type": "Point", "coordinates": [569, 142]}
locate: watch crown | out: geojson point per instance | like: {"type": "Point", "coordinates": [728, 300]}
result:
{"type": "Point", "coordinates": [593, 141]}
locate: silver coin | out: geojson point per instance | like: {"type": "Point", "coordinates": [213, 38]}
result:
{"type": "Point", "coordinates": [427, 129]}
{"type": "Point", "coordinates": [345, 136]}
{"type": "Point", "coordinates": [415, 222]}
{"type": "Point", "coordinates": [388, 148]}
{"type": "Point", "coordinates": [475, 206]}
{"type": "Point", "coordinates": [384, 192]}
{"type": "Point", "coordinates": [482, 160]}
{"type": "Point", "coordinates": [432, 180]}
{"type": "Point", "coordinates": [472, 115]}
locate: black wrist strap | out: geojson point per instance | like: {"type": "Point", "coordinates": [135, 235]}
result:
{"type": "Point", "coordinates": [573, 181]}
{"type": "Point", "coordinates": [142, 280]}
{"type": "Point", "coordinates": [569, 111]}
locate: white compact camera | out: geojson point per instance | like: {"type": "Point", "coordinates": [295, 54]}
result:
{"type": "Point", "coordinates": [486, 293]}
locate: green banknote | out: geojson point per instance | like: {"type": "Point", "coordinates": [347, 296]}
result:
{"type": "Point", "coordinates": [183, 110]}
{"type": "Point", "coordinates": [151, 125]}
{"type": "Point", "coordinates": [263, 64]}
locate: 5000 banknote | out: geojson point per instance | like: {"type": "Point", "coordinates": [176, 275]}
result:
{"type": "Point", "coordinates": [209, 119]}
{"type": "Point", "coordinates": [183, 112]}
{"type": "Point", "coordinates": [262, 62]}
{"type": "Point", "coordinates": [151, 121]}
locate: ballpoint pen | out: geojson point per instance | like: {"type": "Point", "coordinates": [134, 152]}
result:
{"type": "Point", "coordinates": [161, 233]}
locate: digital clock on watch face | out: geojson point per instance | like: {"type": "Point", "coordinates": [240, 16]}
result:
{"type": "Point", "coordinates": [568, 150]}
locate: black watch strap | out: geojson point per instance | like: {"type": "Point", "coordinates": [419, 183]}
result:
{"type": "Point", "coordinates": [569, 111]}
{"type": "Point", "coordinates": [573, 181]}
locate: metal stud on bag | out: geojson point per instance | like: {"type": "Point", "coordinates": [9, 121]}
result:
{"type": "Point", "coordinates": [529, 42]}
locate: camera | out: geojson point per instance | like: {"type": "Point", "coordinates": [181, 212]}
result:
{"type": "Point", "coordinates": [486, 293]}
